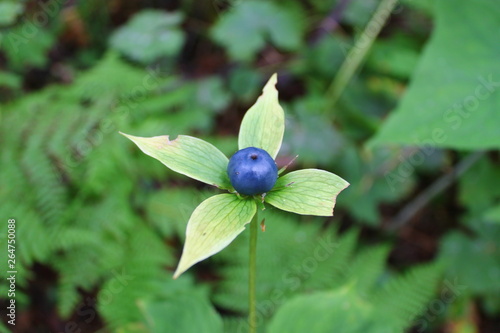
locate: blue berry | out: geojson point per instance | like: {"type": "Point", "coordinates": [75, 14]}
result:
{"type": "Point", "coordinates": [252, 171]}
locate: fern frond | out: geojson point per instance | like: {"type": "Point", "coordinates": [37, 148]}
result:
{"type": "Point", "coordinates": [405, 297]}
{"type": "Point", "coordinates": [307, 258]}
{"type": "Point", "coordinates": [367, 267]}
{"type": "Point", "coordinates": [139, 273]}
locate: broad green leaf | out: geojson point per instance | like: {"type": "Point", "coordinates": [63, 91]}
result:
{"type": "Point", "coordinates": [264, 123]}
{"type": "Point", "coordinates": [149, 35]}
{"type": "Point", "coordinates": [187, 155]}
{"type": "Point", "coordinates": [340, 310]}
{"type": "Point", "coordinates": [213, 226]}
{"type": "Point", "coordinates": [245, 28]}
{"type": "Point", "coordinates": [307, 192]}
{"type": "Point", "coordinates": [176, 314]}
{"type": "Point", "coordinates": [453, 97]}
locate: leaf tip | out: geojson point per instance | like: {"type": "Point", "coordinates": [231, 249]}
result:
{"type": "Point", "coordinates": [274, 78]}
{"type": "Point", "coordinates": [128, 136]}
{"type": "Point", "coordinates": [181, 268]}
{"type": "Point", "coordinates": [342, 186]}
{"type": "Point", "coordinates": [271, 84]}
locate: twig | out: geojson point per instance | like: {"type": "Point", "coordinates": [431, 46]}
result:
{"type": "Point", "coordinates": [358, 52]}
{"type": "Point", "coordinates": [434, 189]}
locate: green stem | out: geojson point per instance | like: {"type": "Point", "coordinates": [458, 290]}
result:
{"type": "Point", "coordinates": [358, 52]}
{"type": "Point", "coordinates": [252, 275]}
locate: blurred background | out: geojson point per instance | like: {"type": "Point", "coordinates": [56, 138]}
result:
{"type": "Point", "coordinates": [400, 98]}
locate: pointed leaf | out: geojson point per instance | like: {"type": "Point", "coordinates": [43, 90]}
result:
{"type": "Point", "coordinates": [264, 123]}
{"type": "Point", "coordinates": [213, 226]}
{"type": "Point", "coordinates": [189, 156]}
{"type": "Point", "coordinates": [307, 192]}
{"type": "Point", "coordinates": [463, 111]}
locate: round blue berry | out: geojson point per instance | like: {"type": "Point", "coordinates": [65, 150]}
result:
{"type": "Point", "coordinates": [252, 171]}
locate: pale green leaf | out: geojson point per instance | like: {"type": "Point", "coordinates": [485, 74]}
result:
{"type": "Point", "coordinates": [264, 123]}
{"type": "Point", "coordinates": [189, 156]}
{"type": "Point", "coordinates": [213, 226]}
{"type": "Point", "coordinates": [307, 192]}
{"type": "Point", "coordinates": [453, 97]}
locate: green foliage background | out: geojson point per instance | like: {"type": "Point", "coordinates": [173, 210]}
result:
{"type": "Point", "coordinates": [100, 226]}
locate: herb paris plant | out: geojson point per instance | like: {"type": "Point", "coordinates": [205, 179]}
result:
{"type": "Point", "coordinates": [217, 221]}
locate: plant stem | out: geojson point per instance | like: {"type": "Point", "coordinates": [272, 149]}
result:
{"type": "Point", "coordinates": [252, 275]}
{"type": "Point", "coordinates": [434, 189]}
{"type": "Point", "coordinates": [358, 52]}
